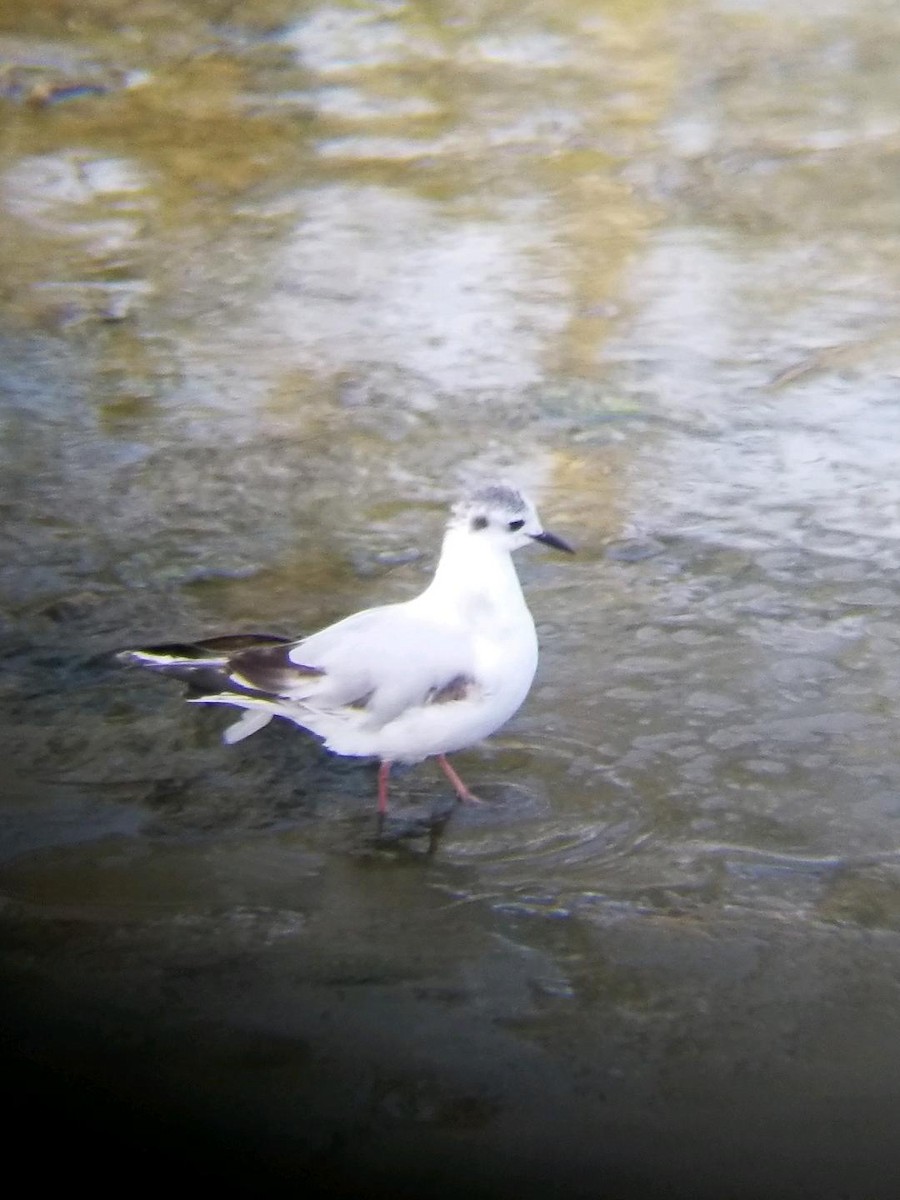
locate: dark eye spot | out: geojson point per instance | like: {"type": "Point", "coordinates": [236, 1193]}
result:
{"type": "Point", "coordinates": [515, 525]}
{"type": "Point", "coordinates": [479, 522]}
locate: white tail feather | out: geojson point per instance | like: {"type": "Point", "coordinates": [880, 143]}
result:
{"type": "Point", "coordinates": [249, 723]}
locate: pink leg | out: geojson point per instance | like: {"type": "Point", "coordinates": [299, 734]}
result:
{"type": "Point", "coordinates": [459, 787]}
{"type": "Point", "coordinates": [383, 772]}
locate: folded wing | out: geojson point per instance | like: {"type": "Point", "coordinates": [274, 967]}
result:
{"type": "Point", "coordinates": [379, 663]}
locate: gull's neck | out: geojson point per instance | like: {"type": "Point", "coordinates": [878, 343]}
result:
{"type": "Point", "coordinates": [473, 576]}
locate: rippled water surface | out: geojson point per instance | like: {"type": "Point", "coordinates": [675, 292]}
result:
{"type": "Point", "coordinates": [279, 280]}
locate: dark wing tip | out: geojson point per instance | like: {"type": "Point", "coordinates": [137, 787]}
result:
{"type": "Point", "coordinates": [200, 650]}
{"type": "Point", "coordinates": [234, 643]}
{"type": "Point", "coordinates": [270, 668]}
{"type": "Point", "coordinates": [206, 665]}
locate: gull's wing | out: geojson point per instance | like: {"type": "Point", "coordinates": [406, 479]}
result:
{"type": "Point", "coordinates": [383, 661]}
{"type": "Point", "coordinates": [203, 664]}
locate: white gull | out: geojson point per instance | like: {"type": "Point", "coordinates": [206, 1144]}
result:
{"type": "Point", "coordinates": [401, 682]}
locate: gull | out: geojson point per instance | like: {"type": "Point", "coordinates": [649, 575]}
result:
{"type": "Point", "coordinates": [400, 682]}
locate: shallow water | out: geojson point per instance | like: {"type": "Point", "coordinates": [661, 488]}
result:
{"type": "Point", "coordinates": [279, 281]}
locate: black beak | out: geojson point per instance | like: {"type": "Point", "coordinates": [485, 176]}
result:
{"type": "Point", "coordinates": [550, 539]}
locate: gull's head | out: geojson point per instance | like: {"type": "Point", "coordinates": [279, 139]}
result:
{"type": "Point", "coordinates": [501, 516]}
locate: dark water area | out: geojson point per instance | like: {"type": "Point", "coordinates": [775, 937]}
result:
{"type": "Point", "coordinates": [278, 281]}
